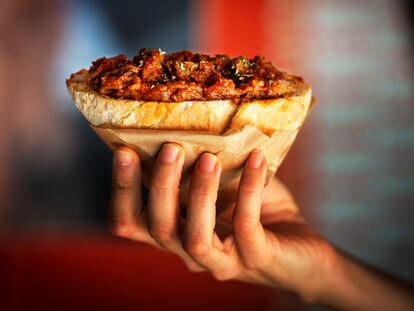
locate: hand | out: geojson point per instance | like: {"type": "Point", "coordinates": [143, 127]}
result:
{"type": "Point", "coordinates": [265, 239]}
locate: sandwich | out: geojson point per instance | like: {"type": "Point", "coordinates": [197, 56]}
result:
{"type": "Point", "coordinates": [185, 91]}
{"type": "Point", "coordinates": [228, 106]}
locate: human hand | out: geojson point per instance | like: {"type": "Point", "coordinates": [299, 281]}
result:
{"type": "Point", "coordinates": [267, 241]}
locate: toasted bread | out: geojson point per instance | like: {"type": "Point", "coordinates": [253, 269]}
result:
{"type": "Point", "coordinates": [213, 116]}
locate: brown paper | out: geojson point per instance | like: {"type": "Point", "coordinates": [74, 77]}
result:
{"type": "Point", "coordinates": [231, 149]}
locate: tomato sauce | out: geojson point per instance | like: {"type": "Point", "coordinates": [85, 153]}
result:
{"type": "Point", "coordinates": [153, 75]}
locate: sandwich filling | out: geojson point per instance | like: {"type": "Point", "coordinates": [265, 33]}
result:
{"type": "Point", "coordinates": [153, 75]}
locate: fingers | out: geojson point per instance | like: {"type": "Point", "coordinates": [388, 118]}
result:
{"type": "Point", "coordinates": [163, 199]}
{"type": "Point", "coordinates": [126, 196]}
{"type": "Point", "coordinates": [201, 209]}
{"type": "Point", "coordinates": [199, 239]}
{"type": "Point", "coordinates": [203, 249]}
{"type": "Point", "coordinates": [163, 203]}
{"type": "Point", "coordinates": [248, 232]}
{"type": "Point", "coordinates": [127, 219]}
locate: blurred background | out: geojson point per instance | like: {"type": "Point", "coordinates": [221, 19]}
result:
{"type": "Point", "coordinates": [351, 168]}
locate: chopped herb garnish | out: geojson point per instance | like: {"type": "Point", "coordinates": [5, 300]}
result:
{"type": "Point", "coordinates": [164, 77]}
{"type": "Point", "coordinates": [245, 62]}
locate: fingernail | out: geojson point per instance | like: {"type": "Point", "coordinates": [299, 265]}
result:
{"type": "Point", "coordinates": [255, 159]}
{"type": "Point", "coordinates": [123, 158]}
{"type": "Point", "coordinates": [207, 162]}
{"type": "Point", "coordinates": [169, 153]}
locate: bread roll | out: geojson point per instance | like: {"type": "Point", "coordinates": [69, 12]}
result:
{"type": "Point", "coordinates": [213, 116]}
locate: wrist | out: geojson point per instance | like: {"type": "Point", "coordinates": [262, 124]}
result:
{"type": "Point", "coordinates": [341, 288]}
{"type": "Point", "coordinates": [336, 281]}
{"type": "Point", "coordinates": [347, 284]}
{"type": "Point", "coordinates": [327, 275]}
{"type": "Point", "coordinates": [330, 280]}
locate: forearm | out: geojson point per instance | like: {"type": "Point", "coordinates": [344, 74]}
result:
{"type": "Point", "coordinates": [357, 287]}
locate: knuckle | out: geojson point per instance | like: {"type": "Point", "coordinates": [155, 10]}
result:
{"type": "Point", "coordinates": [193, 267]}
{"type": "Point", "coordinates": [248, 191]}
{"type": "Point", "coordinates": [223, 275]}
{"type": "Point", "coordinates": [162, 186]}
{"type": "Point", "coordinates": [162, 236]}
{"type": "Point", "coordinates": [121, 229]}
{"type": "Point", "coordinates": [123, 185]}
{"type": "Point", "coordinates": [196, 248]}
{"type": "Point", "coordinates": [244, 223]}
{"type": "Point", "coordinates": [201, 195]}
{"type": "Point", "coordinates": [252, 262]}
{"type": "Point", "coordinates": [201, 190]}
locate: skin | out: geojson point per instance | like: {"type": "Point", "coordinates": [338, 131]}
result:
{"type": "Point", "coordinates": [261, 238]}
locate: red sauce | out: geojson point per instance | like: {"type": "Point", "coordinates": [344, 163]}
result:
{"type": "Point", "coordinates": [153, 75]}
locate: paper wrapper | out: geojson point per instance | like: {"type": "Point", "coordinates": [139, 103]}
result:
{"type": "Point", "coordinates": [231, 149]}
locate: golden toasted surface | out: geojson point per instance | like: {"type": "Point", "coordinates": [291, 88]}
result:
{"type": "Point", "coordinates": [213, 116]}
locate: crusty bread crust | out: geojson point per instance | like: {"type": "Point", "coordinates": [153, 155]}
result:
{"type": "Point", "coordinates": [285, 113]}
{"type": "Point", "coordinates": [215, 116]}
